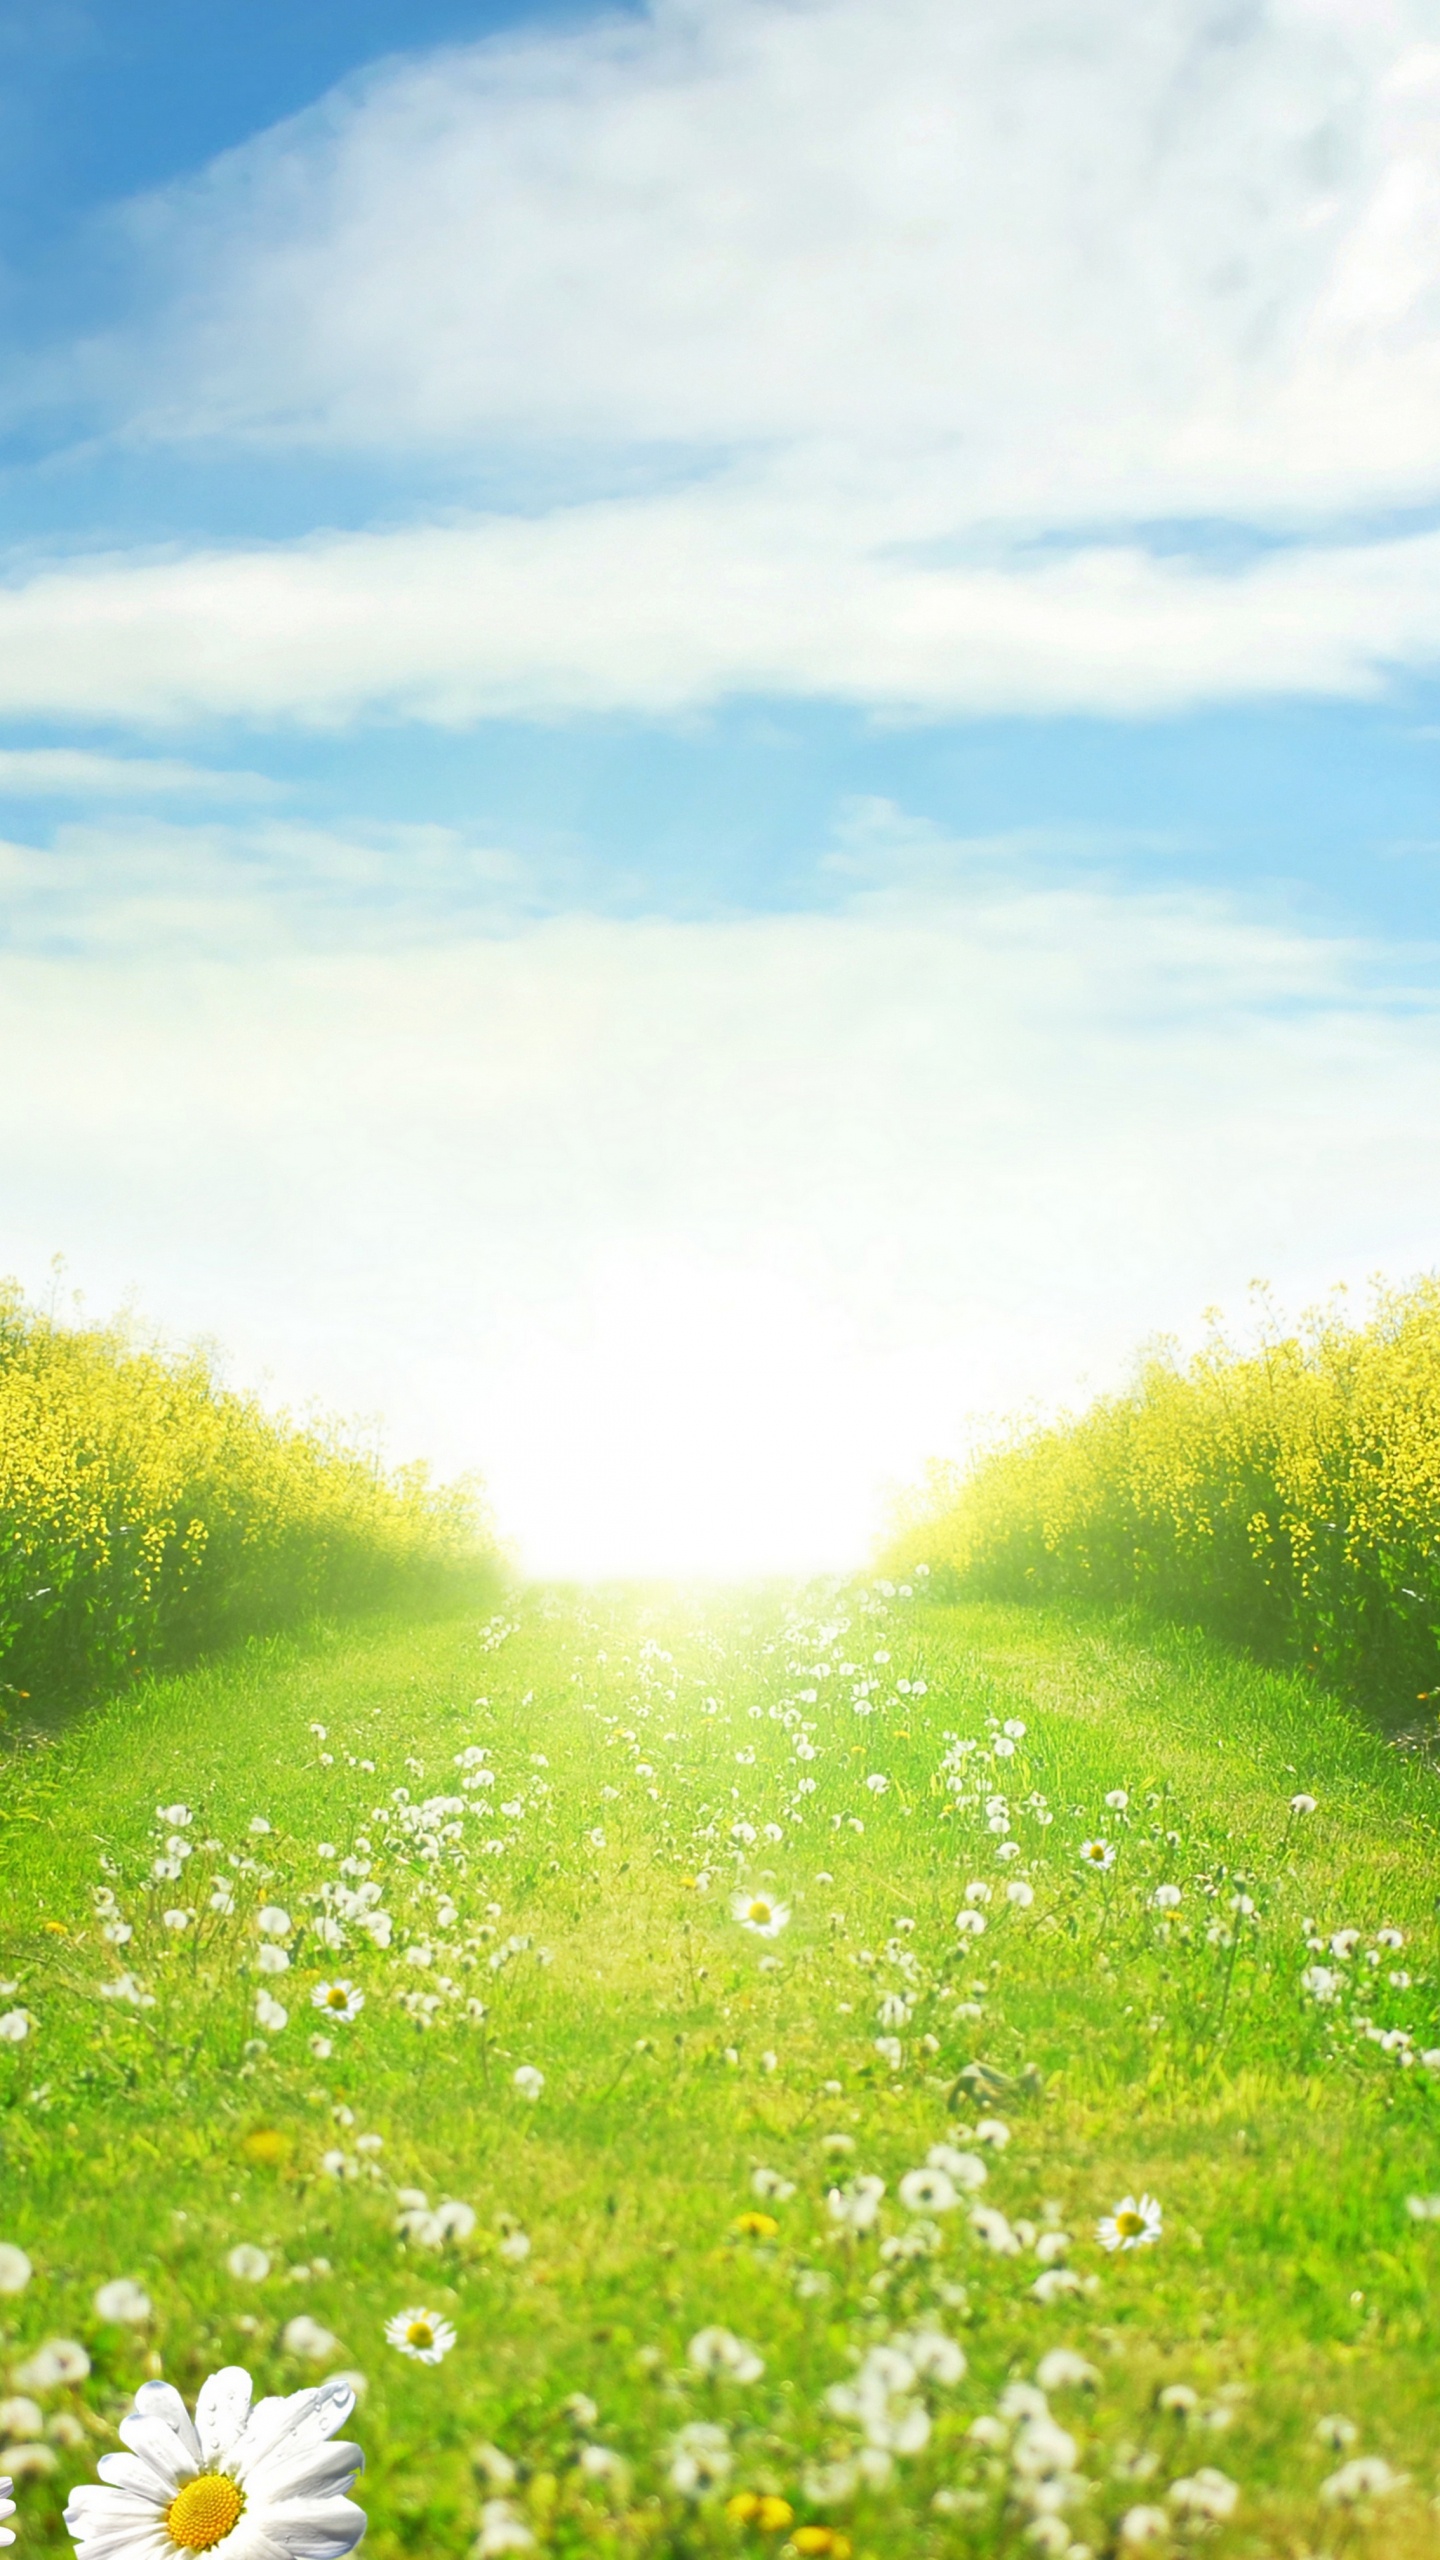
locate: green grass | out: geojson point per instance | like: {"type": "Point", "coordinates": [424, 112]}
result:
{"type": "Point", "coordinates": [681, 2052]}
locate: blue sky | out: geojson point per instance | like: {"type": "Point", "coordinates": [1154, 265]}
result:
{"type": "Point", "coordinates": [718, 723]}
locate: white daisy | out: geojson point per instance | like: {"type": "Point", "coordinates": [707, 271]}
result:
{"type": "Point", "coordinates": [248, 2483]}
{"type": "Point", "coordinates": [341, 2000]}
{"type": "Point", "coordinates": [1134, 2223]}
{"type": "Point", "coordinates": [421, 2334]}
{"type": "Point", "coordinates": [1097, 1853]}
{"type": "Point", "coordinates": [7, 2509]}
{"type": "Point", "coordinates": [761, 1913]}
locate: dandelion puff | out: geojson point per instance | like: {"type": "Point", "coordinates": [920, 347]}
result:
{"type": "Point", "coordinates": [701, 2459]}
{"type": "Point", "coordinates": [58, 2362]}
{"type": "Point", "coordinates": [247, 2264]}
{"type": "Point", "coordinates": [1134, 2224]}
{"type": "Point", "coordinates": [309, 2338]}
{"type": "Point", "coordinates": [928, 2190]}
{"type": "Point", "coordinates": [124, 2301]}
{"type": "Point", "coordinates": [1142, 2528]}
{"type": "Point", "coordinates": [1063, 2370]}
{"type": "Point", "coordinates": [771, 2187]}
{"type": "Point", "coordinates": [15, 2268]}
{"type": "Point", "coordinates": [718, 2351]}
{"type": "Point", "coordinates": [528, 2081]}
{"type": "Point", "coordinates": [1208, 2497]}
{"type": "Point", "coordinates": [1358, 2481]}
{"type": "Point", "coordinates": [1054, 2282]}
{"type": "Point", "coordinates": [502, 2528]}
{"type": "Point", "coordinates": [423, 2335]}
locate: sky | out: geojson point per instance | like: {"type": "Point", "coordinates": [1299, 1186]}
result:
{"type": "Point", "coordinates": [719, 721]}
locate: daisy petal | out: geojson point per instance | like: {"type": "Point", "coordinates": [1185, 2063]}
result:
{"type": "Point", "coordinates": [315, 2528]}
{"type": "Point", "coordinates": [222, 2410]}
{"type": "Point", "coordinates": [307, 2471]}
{"type": "Point", "coordinates": [161, 2400]}
{"type": "Point", "coordinates": [161, 2451]}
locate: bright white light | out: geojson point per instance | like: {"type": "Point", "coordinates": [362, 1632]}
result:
{"type": "Point", "coordinates": [694, 1238]}
{"type": "Point", "coordinates": [684, 1417]}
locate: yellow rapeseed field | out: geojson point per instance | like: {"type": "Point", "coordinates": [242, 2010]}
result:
{"type": "Point", "coordinates": [147, 1512]}
{"type": "Point", "coordinates": [1286, 1496]}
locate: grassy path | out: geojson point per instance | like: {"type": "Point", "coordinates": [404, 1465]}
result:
{"type": "Point", "coordinates": [521, 1843]}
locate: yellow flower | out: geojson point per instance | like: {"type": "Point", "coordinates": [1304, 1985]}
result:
{"type": "Point", "coordinates": [772, 2515]}
{"type": "Point", "coordinates": [808, 2538]}
{"type": "Point", "coordinates": [267, 2148]}
{"type": "Point", "coordinates": [755, 2226]}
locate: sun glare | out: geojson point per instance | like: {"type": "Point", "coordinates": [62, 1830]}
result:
{"type": "Point", "coordinates": [688, 1419]}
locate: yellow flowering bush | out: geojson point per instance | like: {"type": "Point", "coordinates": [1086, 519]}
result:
{"type": "Point", "coordinates": [148, 1513]}
{"type": "Point", "coordinates": [1286, 1496]}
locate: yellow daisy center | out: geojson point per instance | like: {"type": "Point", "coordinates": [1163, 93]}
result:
{"type": "Point", "coordinates": [204, 2512]}
{"type": "Point", "coordinates": [419, 2334]}
{"type": "Point", "coordinates": [759, 1911]}
{"type": "Point", "coordinates": [337, 1999]}
{"type": "Point", "coordinates": [1129, 2225]}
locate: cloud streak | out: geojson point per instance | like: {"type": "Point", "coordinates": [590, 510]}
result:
{"type": "Point", "coordinates": [666, 606]}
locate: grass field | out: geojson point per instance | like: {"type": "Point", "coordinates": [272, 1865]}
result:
{"type": "Point", "coordinates": [679, 1926]}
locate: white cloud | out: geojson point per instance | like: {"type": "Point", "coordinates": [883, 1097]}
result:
{"type": "Point", "coordinates": [670, 604]}
{"type": "Point", "coordinates": [1095, 259]}
{"type": "Point", "coordinates": [691, 1236]}
{"type": "Point", "coordinates": [826, 349]}
{"type": "Point", "coordinates": [143, 885]}
{"type": "Point", "coordinates": [77, 773]}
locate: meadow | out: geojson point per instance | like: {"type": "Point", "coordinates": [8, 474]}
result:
{"type": "Point", "coordinates": [799, 2072]}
